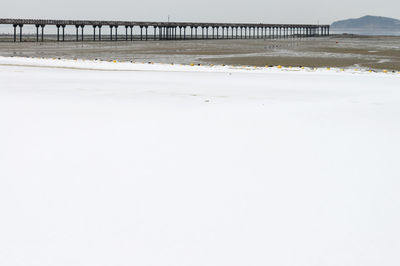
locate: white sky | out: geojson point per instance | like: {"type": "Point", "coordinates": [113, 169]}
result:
{"type": "Point", "coordinates": [258, 11]}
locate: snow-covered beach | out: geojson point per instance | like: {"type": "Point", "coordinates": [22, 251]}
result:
{"type": "Point", "coordinates": [105, 163]}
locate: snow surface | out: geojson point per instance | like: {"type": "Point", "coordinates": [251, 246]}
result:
{"type": "Point", "coordinates": [109, 164]}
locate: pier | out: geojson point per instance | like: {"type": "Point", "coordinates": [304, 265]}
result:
{"type": "Point", "coordinates": [133, 30]}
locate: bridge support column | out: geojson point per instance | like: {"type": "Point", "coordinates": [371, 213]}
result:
{"type": "Point", "coordinates": [100, 32]}
{"type": "Point", "coordinates": [37, 32]}
{"type": "Point", "coordinates": [63, 33]}
{"type": "Point", "coordinates": [15, 33]}
{"type": "Point", "coordinates": [77, 32]}
{"type": "Point", "coordinates": [20, 32]}
{"type": "Point", "coordinates": [94, 32]}
{"type": "Point", "coordinates": [111, 33]}
{"type": "Point", "coordinates": [42, 32]}
{"type": "Point", "coordinates": [82, 26]}
{"type": "Point", "coordinates": [131, 32]}
{"type": "Point", "coordinates": [58, 33]}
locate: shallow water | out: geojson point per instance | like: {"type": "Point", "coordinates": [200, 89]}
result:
{"type": "Point", "coordinates": [345, 51]}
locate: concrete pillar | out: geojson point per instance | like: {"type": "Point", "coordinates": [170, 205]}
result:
{"type": "Point", "coordinates": [82, 31]}
{"type": "Point", "coordinates": [100, 32]}
{"type": "Point", "coordinates": [63, 32]}
{"type": "Point", "coordinates": [20, 32]}
{"type": "Point", "coordinates": [94, 32]}
{"type": "Point", "coordinates": [37, 32]}
{"type": "Point", "coordinates": [131, 28]}
{"type": "Point", "coordinates": [43, 32]}
{"type": "Point", "coordinates": [111, 33]}
{"type": "Point", "coordinates": [15, 33]}
{"type": "Point", "coordinates": [58, 33]}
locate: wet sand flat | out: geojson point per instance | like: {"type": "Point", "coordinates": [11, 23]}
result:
{"type": "Point", "coordinates": [345, 51]}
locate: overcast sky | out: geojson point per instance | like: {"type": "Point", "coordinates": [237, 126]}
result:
{"type": "Point", "coordinates": [257, 11]}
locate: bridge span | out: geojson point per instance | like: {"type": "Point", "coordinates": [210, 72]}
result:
{"type": "Point", "coordinates": [165, 30]}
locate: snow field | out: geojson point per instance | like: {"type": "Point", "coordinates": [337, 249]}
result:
{"type": "Point", "coordinates": [137, 164]}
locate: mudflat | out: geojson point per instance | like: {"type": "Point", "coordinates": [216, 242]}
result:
{"type": "Point", "coordinates": [344, 51]}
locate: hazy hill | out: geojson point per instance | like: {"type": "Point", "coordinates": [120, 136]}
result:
{"type": "Point", "coordinates": [368, 23]}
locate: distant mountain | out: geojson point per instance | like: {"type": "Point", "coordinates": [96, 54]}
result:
{"type": "Point", "coordinates": [371, 23]}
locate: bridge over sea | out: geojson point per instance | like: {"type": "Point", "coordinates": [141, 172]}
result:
{"type": "Point", "coordinates": [164, 30]}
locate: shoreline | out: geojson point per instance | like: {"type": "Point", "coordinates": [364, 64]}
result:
{"type": "Point", "coordinates": [114, 65]}
{"type": "Point", "coordinates": [375, 53]}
